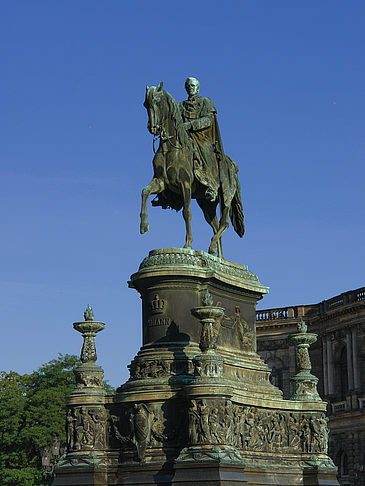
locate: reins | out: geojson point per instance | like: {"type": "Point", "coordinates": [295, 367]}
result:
{"type": "Point", "coordinates": [163, 137]}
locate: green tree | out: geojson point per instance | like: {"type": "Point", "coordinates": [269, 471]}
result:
{"type": "Point", "coordinates": [32, 413]}
{"type": "Point", "coordinates": [12, 404]}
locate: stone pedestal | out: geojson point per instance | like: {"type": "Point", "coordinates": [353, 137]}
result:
{"type": "Point", "coordinates": [198, 407]}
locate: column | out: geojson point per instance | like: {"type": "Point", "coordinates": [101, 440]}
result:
{"type": "Point", "coordinates": [292, 365]}
{"type": "Point", "coordinates": [330, 366]}
{"type": "Point", "coordinates": [355, 362]}
{"type": "Point", "coordinates": [324, 365]}
{"type": "Point", "coordinates": [350, 374]}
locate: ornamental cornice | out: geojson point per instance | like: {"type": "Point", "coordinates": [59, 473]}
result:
{"type": "Point", "coordinates": [183, 261]}
{"type": "Point", "coordinates": [337, 313]}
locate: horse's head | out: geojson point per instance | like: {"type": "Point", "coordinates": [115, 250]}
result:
{"type": "Point", "coordinates": [157, 108]}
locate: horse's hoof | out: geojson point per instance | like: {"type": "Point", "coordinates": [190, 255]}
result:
{"type": "Point", "coordinates": [144, 228]}
{"type": "Point", "coordinates": [187, 246]}
{"type": "Point", "coordinates": [212, 250]}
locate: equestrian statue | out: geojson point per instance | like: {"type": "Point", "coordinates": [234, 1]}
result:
{"type": "Point", "coordinates": [190, 163]}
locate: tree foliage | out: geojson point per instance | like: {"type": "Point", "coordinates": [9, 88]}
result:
{"type": "Point", "coordinates": [32, 413]}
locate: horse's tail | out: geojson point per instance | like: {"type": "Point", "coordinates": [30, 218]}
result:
{"type": "Point", "coordinates": [236, 211]}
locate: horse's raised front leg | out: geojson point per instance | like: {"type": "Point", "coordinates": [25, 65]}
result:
{"type": "Point", "coordinates": [186, 193]}
{"type": "Point", "coordinates": [223, 225]}
{"type": "Point", "coordinates": [154, 187]}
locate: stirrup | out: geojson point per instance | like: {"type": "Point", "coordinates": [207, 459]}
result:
{"type": "Point", "coordinates": [211, 194]}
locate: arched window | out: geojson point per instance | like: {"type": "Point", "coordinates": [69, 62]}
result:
{"type": "Point", "coordinates": [342, 463]}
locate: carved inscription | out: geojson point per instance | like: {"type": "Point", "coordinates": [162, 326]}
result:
{"type": "Point", "coordinates": [159, 321]}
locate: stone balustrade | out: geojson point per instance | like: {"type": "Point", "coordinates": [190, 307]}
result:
{"type": "Point", "coordinates": [339, 407]}
{"type": "Point", "coordinates": [359, 295]}
{"type": "Point", "coordinates": [273, 314]}
{"type": "Point", "coordinates": [361, 402]}
{"type": "Point", "coordinates": [295, 312]}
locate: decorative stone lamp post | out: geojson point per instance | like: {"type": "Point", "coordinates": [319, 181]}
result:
{"type": "Point", "coordinates": [207, 386]}
{"type": "Point", "coordinates": [304, 383]}
{"type": "Point", "coordinates": [208, 315]}
{"type": "Point", "coordinates": [89, 376]}
{"type": "Point", "coordinates": [209, 363]}
{"type": "Point", "coordinates": [86, 416]}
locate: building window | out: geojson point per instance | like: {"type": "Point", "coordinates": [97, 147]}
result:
{"type": "Point", "coordinates": [342, 464]}
{"type": "Point", "coordinates": [342, 367]}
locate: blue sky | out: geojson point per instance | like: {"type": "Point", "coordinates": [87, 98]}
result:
{"type": "Point", "coordinates": [288, 81]}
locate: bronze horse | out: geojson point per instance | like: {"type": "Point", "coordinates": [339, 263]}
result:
{"type": "Point", "coordinates": [174, 181]}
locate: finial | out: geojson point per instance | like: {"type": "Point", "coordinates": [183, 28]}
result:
{"type": "Point", "coordinates": [88, 314]}
{"type": "Point", "coordinates": [207, 299]}
{"type": "Point", "coordinates": [302, 326]}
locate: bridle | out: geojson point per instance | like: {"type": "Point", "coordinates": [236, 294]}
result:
{"type": "Point", "coordinates": [164, 138]}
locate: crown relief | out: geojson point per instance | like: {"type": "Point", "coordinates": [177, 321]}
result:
{"type": "Point", "coordinates": [157, 305]}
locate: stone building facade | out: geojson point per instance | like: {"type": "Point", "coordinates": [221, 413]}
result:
{"type": "Point", "coordinates": [338, 359]}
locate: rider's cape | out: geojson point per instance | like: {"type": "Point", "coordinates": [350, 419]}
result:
{"type": "Point", "coordinates": [228, 170]}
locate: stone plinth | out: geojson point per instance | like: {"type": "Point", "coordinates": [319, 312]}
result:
{"type": "Point", "coordinates": [198, 407]}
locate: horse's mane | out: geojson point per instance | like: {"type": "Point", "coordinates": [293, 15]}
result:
{"type": "Point", "coordinates": [175, 115]}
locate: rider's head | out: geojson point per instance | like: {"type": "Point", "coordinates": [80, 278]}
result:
{"type": "Point", "coordinates": [192, 86]}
